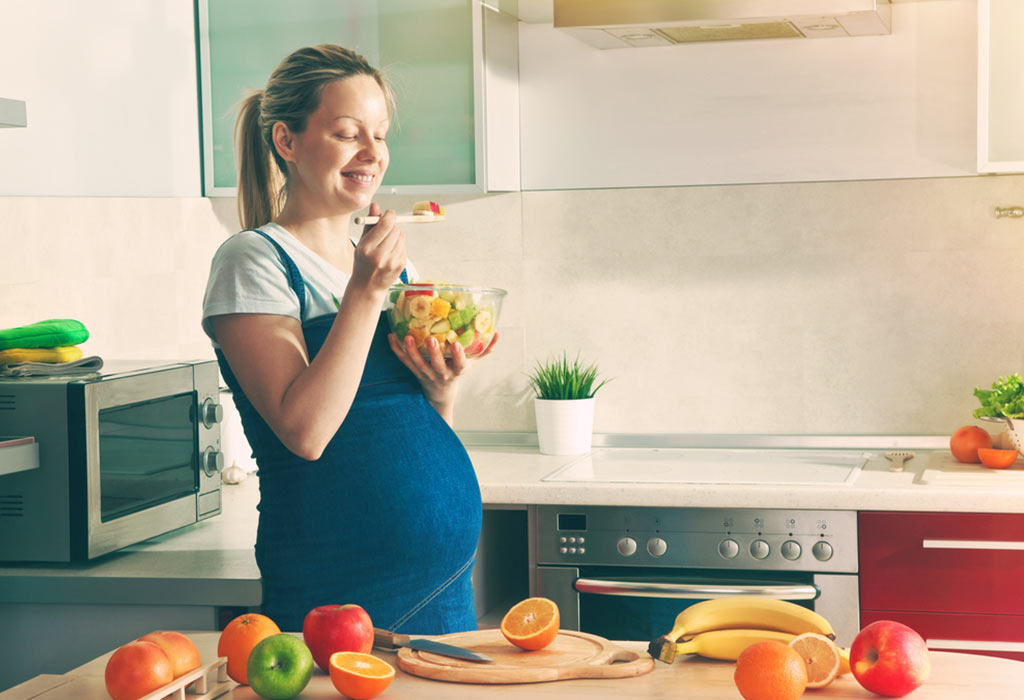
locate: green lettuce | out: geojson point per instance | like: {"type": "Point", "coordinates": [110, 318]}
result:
{"type": "Point", "coordinates": [1004, 399]}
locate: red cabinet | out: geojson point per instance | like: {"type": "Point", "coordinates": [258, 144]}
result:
{"type": "Point", "coordinates": [957, 578]}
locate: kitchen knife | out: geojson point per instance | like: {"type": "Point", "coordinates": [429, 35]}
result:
{"type": "Point", "coordinates": [385, 639]}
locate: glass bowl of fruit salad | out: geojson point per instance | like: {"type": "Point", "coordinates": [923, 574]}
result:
{"type": "Point", "coordinates": [447, 312]}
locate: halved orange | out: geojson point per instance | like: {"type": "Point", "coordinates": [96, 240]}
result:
{"type": "Point", "coordinates": [360, 676]}
{"type": "Point", "coordinates": [995, 458]}
{"type": "Point", "coordinates": [531, 624]}
{"type": "Point", "coordinates": [821, 656]}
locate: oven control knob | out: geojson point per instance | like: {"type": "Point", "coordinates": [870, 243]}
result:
{"type": "Point", "coordinates": [213, 461]}
{"type": "Point", "coordinates": [212, 413]}
{"type": "Point", "coordinates": [759, 549]}
{"type": "Point", "coordinates": [822, 551]}
{"type": "Point", "coordinates": [626, 546]}
{"type": "Point", "coordinates": [656, 546]}
{"type": "Point", "coordinates": [791, 550]}
{"type": "Point", "coordinates": [729, 548]}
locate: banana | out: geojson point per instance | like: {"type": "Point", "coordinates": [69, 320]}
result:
{"type": "Point", "coordinates": [727, 645]}
{"type": "Point", "coordinates": [739, 613]}
{"type": "Point", "coordinates": [419, 307]}
{"type": "Point", "coordinates": [844, 661]}
{"type": "Point", "coordinates": [482, 321]}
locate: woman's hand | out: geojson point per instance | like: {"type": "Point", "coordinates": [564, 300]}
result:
{"type": "Point", "coordinates": [380, 253]}
{"type": "Point", "coordinates": [438, 377]}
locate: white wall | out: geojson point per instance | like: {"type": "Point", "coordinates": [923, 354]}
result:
{"type": "Point", "coordinates": [110, 91]}
{"type": "Point", "coordinates": [844, 306]}
{"type": "Point", "coordinates": [901, 105]}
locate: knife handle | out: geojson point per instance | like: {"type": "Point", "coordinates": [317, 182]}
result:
{"type": "Point", "coordinates": [386, 639]}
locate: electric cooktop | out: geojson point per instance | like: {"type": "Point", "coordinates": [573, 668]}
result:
{"type": "Point", "coordinates": [714, 466]}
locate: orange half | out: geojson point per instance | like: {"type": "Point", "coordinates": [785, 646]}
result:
{"type": "Point", "coordinates": [821, 655]}
{"type": "Point", "coordinates": [995, 458]}
{"type": "Point", "coordinates": [531, 624]}
{"type": "Point", "coordinates": [360, 676]}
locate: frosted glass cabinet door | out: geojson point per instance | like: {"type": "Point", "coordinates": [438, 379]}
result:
{"type": "Point", "coordinates": [430, 50]}
{"type": "Point", "coordinates": [1000, 86]}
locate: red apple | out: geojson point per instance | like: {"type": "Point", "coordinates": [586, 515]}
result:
{"type": "Point", "coordinates": [181, 650]}
{"type": "Point", "coordinates": [889, 658]}
{"type": "Point", "coordinates": [331, 628]}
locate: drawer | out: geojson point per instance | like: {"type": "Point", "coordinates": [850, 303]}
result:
{"type": "Point", "coordinates": [945, 562]}
{"type": "Point", "coordinates": [989, 635]}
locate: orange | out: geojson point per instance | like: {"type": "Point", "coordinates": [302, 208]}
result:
{"type": "Point", "coordinates": [821, 655]}
{"type": "Point", "coordinates": [964, 443]}
{"type": "Point", "coordinates": [531, 624]}
{"type": "Point", "coordinates": [770, 671]}
{"type": "Point", "coordinates": [996, 459]}
{"type": "Point", "coordinates": [360, 676]}
{"type": "Point", "coordinates": [238, 639]}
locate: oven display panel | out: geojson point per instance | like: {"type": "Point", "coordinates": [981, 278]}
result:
{"type": "Point", "coordinates": [572, 521]}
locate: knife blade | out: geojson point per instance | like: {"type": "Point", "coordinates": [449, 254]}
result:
{"type": "Point", "coordinates": [385, 639]}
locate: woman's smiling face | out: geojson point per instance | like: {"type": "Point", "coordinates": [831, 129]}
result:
{"type": "Point", "coordinates": [338, 162]}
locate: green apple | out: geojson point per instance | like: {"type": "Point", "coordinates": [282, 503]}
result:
{"type": "Point", "coordinates": [279, 667]}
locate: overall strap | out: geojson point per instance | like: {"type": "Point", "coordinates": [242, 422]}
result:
{"type": "Point", "coordinates": [294, 276]}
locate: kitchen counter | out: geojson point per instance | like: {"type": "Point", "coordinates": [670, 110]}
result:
{"type": "Point", "coordinates": [954, 676]}
{"type": "Point", "coordinates": [212, 562]}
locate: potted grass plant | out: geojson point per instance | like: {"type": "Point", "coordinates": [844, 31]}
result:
{"type": "Point", "coordinates": [564, 405]}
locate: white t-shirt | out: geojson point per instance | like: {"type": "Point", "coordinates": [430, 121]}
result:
{"type": "Point", "coordinates": [247, 275]}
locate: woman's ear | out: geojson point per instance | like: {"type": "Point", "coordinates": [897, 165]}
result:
{"type": "Point", "coordinates": [283, 141]}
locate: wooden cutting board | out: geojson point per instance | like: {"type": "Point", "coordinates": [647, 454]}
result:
{"type": "Point", "coordinates": [571, 655]}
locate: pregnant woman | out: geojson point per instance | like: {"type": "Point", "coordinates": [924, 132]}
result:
{"type": "Point", "coordinates": [366, 494]}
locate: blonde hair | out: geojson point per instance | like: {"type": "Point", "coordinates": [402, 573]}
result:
{"type": "Point", "coordinates": [291, 95]}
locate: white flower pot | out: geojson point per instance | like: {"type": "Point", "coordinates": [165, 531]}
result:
{"type": "Point", "coordinates": [564, 426]}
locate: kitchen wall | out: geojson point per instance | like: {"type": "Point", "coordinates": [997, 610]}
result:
{"type": "Point", "coordinates": [839, 307]}
{"type": "Point", "coordinates": [847, 306]}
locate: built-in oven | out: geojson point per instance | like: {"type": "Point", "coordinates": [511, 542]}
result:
{"type": "Point", "coordinates": [626, 572]}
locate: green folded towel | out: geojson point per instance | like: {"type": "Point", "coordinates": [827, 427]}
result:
{"type": "Point", "coordinates": [53, 333]}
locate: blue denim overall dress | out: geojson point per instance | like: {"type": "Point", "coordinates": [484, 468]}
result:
{"type": "Point", "coordinates": [387, 518]}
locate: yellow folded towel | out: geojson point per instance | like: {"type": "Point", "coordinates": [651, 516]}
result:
{"type": "Point", "coordinates": [68, 353]}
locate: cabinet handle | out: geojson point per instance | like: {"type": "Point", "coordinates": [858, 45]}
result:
{"type": "Point", "coordinates": [971, 544]}
{"type": "Point", "coordinates": [651, 589]}
{"type": "Point", "coordinates": [974, 645]}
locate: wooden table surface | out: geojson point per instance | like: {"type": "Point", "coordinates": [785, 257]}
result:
{"type": "Point", "coordinates": [960, 676]}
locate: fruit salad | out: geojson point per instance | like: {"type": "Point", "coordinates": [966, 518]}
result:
{"type": "Point", "coordinates": [448, 313]}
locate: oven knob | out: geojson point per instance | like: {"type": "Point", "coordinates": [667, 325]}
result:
{"type": "Point", "coordinates": [791, 550]}
{"type": "Point", "coordinates": [656, 546]}
{"type": "Point", "coordinates": [626, 546]}
{"type": "Point", "coordinates": [213, 461]}
{"type": "Point", "coordinates": [822, 551]}
{"type": "Point", "coordinates": [212, 413]}
{"type": "Point", "coordinates": [759, 549]}
{"type": "Point", "coordinates": [728, 548]}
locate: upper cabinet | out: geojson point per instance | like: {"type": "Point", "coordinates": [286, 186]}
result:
{"type": "Point", "coordinates": [453, 64]}
{"type": "Point", "coordinates": [106, 93]}
{"type": "Point", "coordinates": [1000, 86]}
{"type": "Point", "coordinates": [900, 105]}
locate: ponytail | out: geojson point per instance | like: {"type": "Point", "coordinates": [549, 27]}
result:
{"type": "Point", "coordinates": [258, 177]}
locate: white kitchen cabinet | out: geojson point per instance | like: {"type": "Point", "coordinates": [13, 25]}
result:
{"type": "Point", "coordinates": [453, 63]}
{"type": "Point", "coordinates": [1000, 86]}
{"type": "Point", "coordinates": [110, 93]}
{"type": "Point", "coordinates": [734, 112]}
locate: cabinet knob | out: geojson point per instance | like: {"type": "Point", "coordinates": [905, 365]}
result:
{"type": "Point", "coordinates": [212, 413]}
{"type": "Point", "coordinates": [212, 461]}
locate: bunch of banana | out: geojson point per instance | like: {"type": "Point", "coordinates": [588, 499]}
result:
{"type": "Point", "coordinates": [727, 644]}
{"type": "Point", "coordinates": [745, 614]}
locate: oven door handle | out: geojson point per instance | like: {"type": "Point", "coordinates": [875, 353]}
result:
{"type": "Point", "coordinates": [652, 589]}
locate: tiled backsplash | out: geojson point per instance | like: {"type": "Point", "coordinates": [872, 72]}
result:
{"type": "Point", "coordinates": [843, 307]}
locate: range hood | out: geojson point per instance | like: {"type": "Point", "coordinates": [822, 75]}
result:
{"type": "Point", "coordinates": [616, 24]}
{"type": "Point", "coordinates": [12, 113]}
